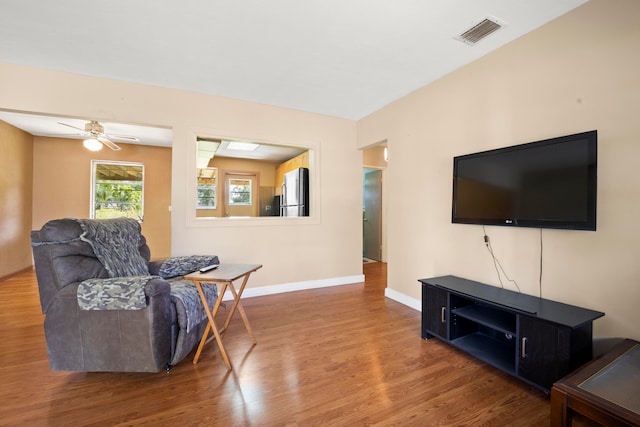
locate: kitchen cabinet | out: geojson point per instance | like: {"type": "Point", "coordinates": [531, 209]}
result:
{"type": "Point", "coordinates": [531, 338]}
{"type": "Point", "coordinates": [300, 161]}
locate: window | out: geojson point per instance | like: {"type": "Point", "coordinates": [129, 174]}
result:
{"type": "Point", "coordinates": [117, 190]}
{"type": "Point", "coordinates": [240, 191]}
{"type": "Point", "coordinates": [207, 188]}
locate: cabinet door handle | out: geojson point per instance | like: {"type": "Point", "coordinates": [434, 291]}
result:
{"type": "Point", "coordinates": [523, 347]}
{"type": "Point", "coordinates": [442, 314]}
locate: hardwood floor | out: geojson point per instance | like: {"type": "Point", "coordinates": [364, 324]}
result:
{"type": "Point", "coordinates": [339, 356]}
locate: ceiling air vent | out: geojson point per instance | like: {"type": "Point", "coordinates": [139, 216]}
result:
{"type": "Point", "coordinates": [480, 30]}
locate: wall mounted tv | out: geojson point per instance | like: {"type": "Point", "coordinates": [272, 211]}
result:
{"type": "Point", "coordinates": [543, 184]}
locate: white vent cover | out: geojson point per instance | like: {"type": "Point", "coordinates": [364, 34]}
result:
{"type": "Point", "coordinates": [480, 30]}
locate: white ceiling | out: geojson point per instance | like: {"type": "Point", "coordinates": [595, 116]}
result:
{"type": "Point", "coordinates": [42, 125]}
{"type": "Point", "coordinates": [344, 58]}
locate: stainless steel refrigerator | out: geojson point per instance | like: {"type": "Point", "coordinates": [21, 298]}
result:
{"type": "Point", "coordinates": [294, 199]}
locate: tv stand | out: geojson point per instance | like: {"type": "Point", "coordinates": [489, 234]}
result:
{"type": "Point", "coordinates": [531, 338]}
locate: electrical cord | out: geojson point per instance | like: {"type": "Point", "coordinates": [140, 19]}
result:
{"type": "Point", "coordinates": [496, 262]}
{"type": "Point", "coordinates": [540, 279]}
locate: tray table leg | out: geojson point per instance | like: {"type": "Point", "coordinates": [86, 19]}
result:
{"type": "Point", "coordinates": [211, 325]}
{"type": "Point", "coordinates": [237, 304]}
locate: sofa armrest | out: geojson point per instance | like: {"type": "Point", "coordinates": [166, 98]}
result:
{"type": "Point", "coordinates": [119, 293]}
{"type": "Point", "coordinates": [111, 340]}
{"type": "Point", "coordinates": [178, 266]}
{"type": "Point", "coordinates": [157, 287]}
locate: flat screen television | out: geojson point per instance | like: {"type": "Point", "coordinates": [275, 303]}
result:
{"type": "Point", "coordinates": [543, 184]}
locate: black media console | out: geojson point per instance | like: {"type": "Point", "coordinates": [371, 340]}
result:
{"type": "Point", "coordinates": [534, 339]}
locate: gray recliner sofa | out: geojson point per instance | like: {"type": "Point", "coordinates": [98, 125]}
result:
{"type": "Point", "coordinates": [145, 339]}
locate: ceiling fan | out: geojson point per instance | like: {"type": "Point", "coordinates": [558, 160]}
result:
{"type": "Point", "coordinates": [96, 137]}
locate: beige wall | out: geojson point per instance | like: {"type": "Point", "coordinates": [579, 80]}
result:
{"type": "Point", "coordinates": [266, 170]}
{"type": "Point", "coordinates": [16, 161]}
{"type": "Point", "coordinates": [374, 157]}
{"type": "Point", "coordinates": [577, 73]}
{"type": "Point", "coordinates": [62, 184]}
{"type": "Point", "coordinates": [326, 246]}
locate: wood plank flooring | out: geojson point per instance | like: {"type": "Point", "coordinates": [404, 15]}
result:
{"type": "Point", "coordinates": [339, 356]}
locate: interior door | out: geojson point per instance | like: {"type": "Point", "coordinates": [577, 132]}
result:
{"type": "Point", "coordinates": [372, 215]}
{"type": "Point", "coordinates": [241, 194]}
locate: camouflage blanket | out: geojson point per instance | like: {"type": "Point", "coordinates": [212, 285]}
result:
{"type": "Point", "coordinates": [185, 296]}
{"type": "Point", "coordinates": [127, 293]}
{"type": "Point", "coordinates": [116, 293]}
{"type": "Point", "coordinates": [115, 243]}
{"type": "Point", "coordinates": [182, 265]}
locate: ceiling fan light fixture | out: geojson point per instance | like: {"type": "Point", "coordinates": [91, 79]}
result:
{"type": "Point", "coordinates": [92, 144]}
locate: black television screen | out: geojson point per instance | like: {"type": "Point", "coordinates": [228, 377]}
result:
{"type": "Point", "coordinates": [542, 184]}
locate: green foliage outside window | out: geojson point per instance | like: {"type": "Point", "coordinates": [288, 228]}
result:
{"type": "Point", "coordinates": [240, 192]}
{"type": "Point", "coordinates": [206, 196]}
{"type": "Point", "coordinates": [118, 191]}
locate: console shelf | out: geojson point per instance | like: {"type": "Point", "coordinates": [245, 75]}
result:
{"type": "Point", "coordinates": [489, 350]}
{"type": "Point", "coordinates": [534, 339]}
{"type": "Point", "coordinates": [499, 320]}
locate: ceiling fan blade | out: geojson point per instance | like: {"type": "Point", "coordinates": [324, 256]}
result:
{"type": "Point", "coordinates": [76, 135]}
{"type": "Point", "coordinates": [71, 126]}
{"type": "Point", "coordinates": [108, 143]}
{"type": "Point", "coordinates": [123, 137]}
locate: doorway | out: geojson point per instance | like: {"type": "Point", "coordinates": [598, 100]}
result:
{"type": "Point", "coordinates": [372, 215]}
{"type": "Point", "coordinates": [240, 194]}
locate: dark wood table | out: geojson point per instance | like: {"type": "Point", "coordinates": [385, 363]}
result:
{"type": "Point", "coordinates": [606, 390]}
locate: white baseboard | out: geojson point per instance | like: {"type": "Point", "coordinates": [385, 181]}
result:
{"type": "Point", "coordinates": [416, 304]}
{"type": "Point", "coordinates": [297, 286]}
